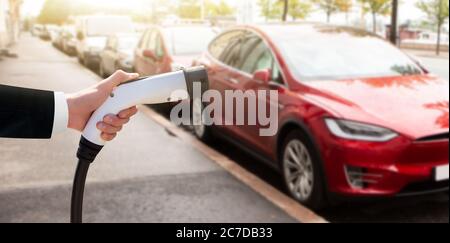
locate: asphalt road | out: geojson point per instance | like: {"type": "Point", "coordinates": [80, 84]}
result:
{"type": "Point", "coordinates": [146, 175]}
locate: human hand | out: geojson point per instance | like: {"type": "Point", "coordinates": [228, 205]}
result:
{"type": "Point", "coordinates": [84, 103]}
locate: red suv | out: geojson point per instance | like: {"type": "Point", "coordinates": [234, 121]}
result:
{"type": "Point", "coordinates": [357, 116]}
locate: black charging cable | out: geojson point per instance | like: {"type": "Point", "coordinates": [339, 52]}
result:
{"type": "Point", "coordinates": [87, 152]}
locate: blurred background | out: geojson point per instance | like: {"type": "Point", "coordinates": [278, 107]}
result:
{"type": "Point", "coordinates": [418, 20]}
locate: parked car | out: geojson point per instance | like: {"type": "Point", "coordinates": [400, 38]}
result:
{"type": "Point", "coordinates": [357, 117]}
{"type": "Point", "coordinates": [49, 32]}
{"type": "Point", "coordinates": [118, 54]}
{"type": "Point", "coordinates": [69, 41]}
{"type": "Point", "coordinates": [167, 49]}
{"type": "Point", "coordinates": [92, 33]}
{"type": "Point", "coordinates": [37, 29]}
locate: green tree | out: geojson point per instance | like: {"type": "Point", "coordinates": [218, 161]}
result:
{"type": "Point", "coordinates": [189, 9]}
{"type": "Point", "coordinates": [299, 9]}
{"type": "Point", "coordinates": [437, 12]}
{"type": "Point", "coordinates": [55, 12]}
{"type": "Point", "coordinates": [332, 6]}
{"type": "Point", "coordinates": [269, 9]}
{"type": "Point", "coordinates": [376, 7]}
{"type": "Point", "coordinates": [345, 6]}
{"type": "Point", "coordinates": [218, 9]}
{"type": "Point", "coordinates": [285, 8]}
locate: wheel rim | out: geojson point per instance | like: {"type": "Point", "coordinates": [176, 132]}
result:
{"type": "Point", "coordinates": [298, 170]}
{"type": "Point", "coordinates": [197, 118]}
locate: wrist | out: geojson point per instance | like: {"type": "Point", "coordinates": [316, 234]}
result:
{"type": "Point", "coordinates": [71, 111]}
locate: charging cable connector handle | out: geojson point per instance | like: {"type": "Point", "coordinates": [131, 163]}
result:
{"type": "Point", "coordinates": [148, 90]}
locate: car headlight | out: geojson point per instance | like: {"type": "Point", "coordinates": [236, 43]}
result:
{"type": "Point", "coordinates": [359, 131]}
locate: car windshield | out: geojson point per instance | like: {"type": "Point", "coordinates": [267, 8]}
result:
{"type": "Point", "coordinates": [342, 54]}
{"type": "Point", "coordinates": [190, 40]}
{"type": "Point", "coordinates": [127, 43]}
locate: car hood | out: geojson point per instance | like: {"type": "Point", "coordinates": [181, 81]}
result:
{"type": "Point", "coordinates": [415, 106]}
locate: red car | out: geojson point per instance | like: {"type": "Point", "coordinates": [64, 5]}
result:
{"type": "Point", "coordinates": [165, 49]}
{"type": "Point", "coordinates": [357, 116]}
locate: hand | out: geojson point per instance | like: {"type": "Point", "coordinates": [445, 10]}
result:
{"type": "Point", "coordinates": [84, 103]}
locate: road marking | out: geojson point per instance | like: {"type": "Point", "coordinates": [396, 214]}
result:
{"type": "Point", "coordinates": [285, 203]}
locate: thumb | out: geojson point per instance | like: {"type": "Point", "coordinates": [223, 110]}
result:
{"type": "Point", "coordinates": [118, 78]}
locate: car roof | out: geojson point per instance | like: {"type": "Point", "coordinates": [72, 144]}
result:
{"type": "Point", "coordinates": [295, 30]}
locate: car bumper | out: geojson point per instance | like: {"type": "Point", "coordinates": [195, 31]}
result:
{"type": "Point", "coordinates": [396, 168]}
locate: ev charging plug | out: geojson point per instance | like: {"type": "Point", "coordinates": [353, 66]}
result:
{"type": "Point", "coordinates": [148, 90]}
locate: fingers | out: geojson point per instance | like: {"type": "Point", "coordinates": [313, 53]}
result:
{"type": "Point", "coordinates": [120, 77]}
{"type": "Point", "coordinates": [128, 113]}
{"type": "Point", "coordinates": [115, 121]}
{"type": "Point", "coordinates": [108, 137]}
{"type": "Point", "coordinates": [106, 128]}
{"type": "Point", "coordinates": [112, 124]}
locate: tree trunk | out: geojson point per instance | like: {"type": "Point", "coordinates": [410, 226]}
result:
{"type": "Point", "coordinates": [439, 33]}
{"type": "Point", "coordinates": [374, 19]}
{"type": "Point", "coordinates": [285, 10]}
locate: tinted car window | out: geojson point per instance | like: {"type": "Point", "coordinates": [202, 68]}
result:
{"type": "Point", "coordinates": [218, 46]}
{"type": "Point", "coordinates": [262, 58]}
{"type": "Point", "coordinates": [159, 47]}
{"type": "Point", "coordinates": [339, 54]}
{"type": "Point", "coordinates": [238, 49]}
{"type": "Point", "coordinates": [143, 42]}
{"type": "Point", "coordinates": [182, 41]}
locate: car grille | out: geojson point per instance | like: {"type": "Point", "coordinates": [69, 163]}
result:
{"type": "Point", "coordinates": [443, 136]}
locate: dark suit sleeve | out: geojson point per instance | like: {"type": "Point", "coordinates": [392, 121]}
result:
{"type": "Point", "coordinates": [26, 113]}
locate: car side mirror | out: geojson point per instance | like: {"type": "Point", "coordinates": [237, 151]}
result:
{"type": "Point", "coordinates": [150, 54]}
{"type": "Point", "coordinates": [263, 75]}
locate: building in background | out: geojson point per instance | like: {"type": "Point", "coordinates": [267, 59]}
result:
{"type": "Point", "coordinates": [9, 22]}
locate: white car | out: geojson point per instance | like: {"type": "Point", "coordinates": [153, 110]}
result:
{"type": "Point", "coordinates": [92, 33]}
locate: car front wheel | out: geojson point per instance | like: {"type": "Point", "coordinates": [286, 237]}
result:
{"type": "Point", "coordinates": [302, 171]}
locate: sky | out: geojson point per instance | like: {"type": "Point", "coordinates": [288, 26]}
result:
{"type": "Point", "coordinates": [408, 11]}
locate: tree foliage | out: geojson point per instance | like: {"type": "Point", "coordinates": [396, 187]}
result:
{"type": "Point", "coordinates": [333, 6]}
{"type": "Point", "coordinates": [376, 7]}
{"type": "Point", "coordinates": [276, 9]}
{"type": "Point", "coordinates": [437, 12]}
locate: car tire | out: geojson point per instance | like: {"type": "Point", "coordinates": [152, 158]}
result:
{"type": "Point", "coordinates": [302, 170]}
{"type": "Point", "coordinates": [202, 132]}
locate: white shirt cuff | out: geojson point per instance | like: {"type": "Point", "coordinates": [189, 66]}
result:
{"type": "Point", "coordinates": [61, 118]}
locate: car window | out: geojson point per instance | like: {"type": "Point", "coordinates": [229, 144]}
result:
{"type": "Point", "coordinates": [218, 46]}
{"type": "Point", "coordinates": [151, 43]}
{"type": "Point", "coordinates": [159, 47]}
{"type": "Point", "coordinates": [341, 55]}
{"type": "Point", "coordinates": [249, 65]}
{"type": "Point", "coordinates": [260, 58]}
{"type": "Point", "coordinates": [144, 39]}
{"type": "Point", "coordinates": [181, 41]}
